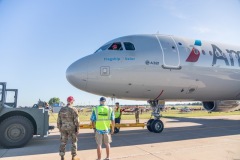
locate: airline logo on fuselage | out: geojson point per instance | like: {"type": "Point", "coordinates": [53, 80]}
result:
{"type": "Point", "coordinates": [216, 52]}
{"type": "Point", "coordinates": [195, 52]}
{"type": "Point", "coordinates": [219, 55]}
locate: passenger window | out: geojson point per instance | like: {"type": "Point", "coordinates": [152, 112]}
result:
{"type": "Point", "coordinates": [116, 46]}
{"type": "Point", "coordinates": [210, 52]}
{"type": "Point", "coordinates": [203, 52]}
{"type": "Point", "coordinates": [129, 46]}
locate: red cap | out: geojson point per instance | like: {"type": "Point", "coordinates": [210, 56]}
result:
{"type": "Point", "coordinates": [70, 99]}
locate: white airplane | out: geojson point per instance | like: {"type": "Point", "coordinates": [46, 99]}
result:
{"type": "Point", "coordinates": [159, 68]}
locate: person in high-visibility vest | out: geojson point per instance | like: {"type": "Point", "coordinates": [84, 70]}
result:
{"type": "Point", "coordinates": [102, 118]}
{"type": "Point", "coordinates": [118, 114]}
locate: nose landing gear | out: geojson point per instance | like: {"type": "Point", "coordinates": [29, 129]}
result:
{"type": "Point", "coordinates": [156, 125]}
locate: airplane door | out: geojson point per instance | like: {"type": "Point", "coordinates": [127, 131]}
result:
{"type": "Point", "coordinates": [170, 52]}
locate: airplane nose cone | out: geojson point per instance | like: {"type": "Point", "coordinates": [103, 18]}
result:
{"type": "Point", "coordinates": [76, 74]}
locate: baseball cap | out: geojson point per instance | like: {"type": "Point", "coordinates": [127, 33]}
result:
{"type": "Point", "coordinates": [103, 99]}
{"type": "Point", "coordinates": [70, 99]}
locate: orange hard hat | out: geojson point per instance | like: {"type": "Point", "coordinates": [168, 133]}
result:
{"type": "Point", "coordinates": [70, 99]}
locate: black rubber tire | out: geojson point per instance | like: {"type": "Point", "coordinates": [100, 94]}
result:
{"type": "Point", "coordinates": [16, 131]}
{"type": "Point", "coordinates": [149, 124]}
{"type": "Point", "coordinates": [157, 126]}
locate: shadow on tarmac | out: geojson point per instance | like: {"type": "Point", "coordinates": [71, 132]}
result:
{"type": "Point", "coordinates": [208, 128]}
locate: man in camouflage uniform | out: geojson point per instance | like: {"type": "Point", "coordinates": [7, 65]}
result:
{"type": "Point", "coordinates": [68, 125]}
{"type": "Point", "coordinates": [137, 113]}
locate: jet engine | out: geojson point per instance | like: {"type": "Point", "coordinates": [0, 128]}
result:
{"type": "Point", "coordinates": [221, 106]}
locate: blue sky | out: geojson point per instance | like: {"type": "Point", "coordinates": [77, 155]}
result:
{"type": "Point", "coordinates": [40, 39]}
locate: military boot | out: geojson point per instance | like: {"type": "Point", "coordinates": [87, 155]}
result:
{"type": "Point", "coordinates": [62, 158]}
{"type": "Point", "coordinates": [75, 158]}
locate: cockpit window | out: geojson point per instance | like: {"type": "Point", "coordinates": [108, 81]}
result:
{"type": "Point", "coordinates": [116, 46]}
{"type": "Point", "coordinates": [103, 48]}
{"type": "Point", "coordinates": [128, 46]}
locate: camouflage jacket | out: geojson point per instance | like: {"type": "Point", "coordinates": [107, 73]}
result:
{"type": "Point", "coordinates": [68, 119]}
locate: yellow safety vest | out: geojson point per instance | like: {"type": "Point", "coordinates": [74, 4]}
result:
{"type": "Point", "coordinates": [103, 115]}
{"type": "Point", "coordinates": [117, 113]}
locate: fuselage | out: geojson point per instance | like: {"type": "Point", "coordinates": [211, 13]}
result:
{"type": "Point", "coordinates": [160, 67]}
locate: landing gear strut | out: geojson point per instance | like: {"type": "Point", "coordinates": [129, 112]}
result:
{"type": "Point", "coordinates": [155, 125]}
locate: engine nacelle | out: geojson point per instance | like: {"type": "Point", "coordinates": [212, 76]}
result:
{"type": "Point", "coordinates": [221, 106]}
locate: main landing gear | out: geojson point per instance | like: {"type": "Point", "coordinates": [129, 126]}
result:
{"type": "Point", "coordinates": [155, 124]}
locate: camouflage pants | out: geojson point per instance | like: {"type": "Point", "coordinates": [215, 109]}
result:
{"type": "Point", "coordinates": [64, 138]}
{"type": "Point", "coordinates": [137, 117]}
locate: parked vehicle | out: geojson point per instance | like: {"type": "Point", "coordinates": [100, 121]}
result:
{"type": "Point", "coordinates": [185, 109]}
{"type": "Point", "coordinates": [18, 125]}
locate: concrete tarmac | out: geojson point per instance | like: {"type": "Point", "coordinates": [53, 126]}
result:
{"type": "Point", "coordinates": [202, 138]}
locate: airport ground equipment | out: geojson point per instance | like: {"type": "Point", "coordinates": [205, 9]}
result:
{"type": "Point", "coordinates": [153, 125]}
{"type": "Point", "coordinates": [18, 125]}
{"type": "Point", "coordinates": [87, 126]}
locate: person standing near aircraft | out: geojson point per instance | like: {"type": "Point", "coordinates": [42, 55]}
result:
{"type": "Point", "coordinates": [102, 117]}
{"type": "Point", "coordinates": [68, 125]}
{"type": "Point", "coordinates": [137, 114]}
{"type": "Point", "coordinates": [118, 114]}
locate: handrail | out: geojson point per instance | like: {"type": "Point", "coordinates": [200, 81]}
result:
{"type": "Point", "coordinates": [173, 67]}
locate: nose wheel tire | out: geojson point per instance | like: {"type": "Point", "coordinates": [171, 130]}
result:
{"type": "Point", "coordinates": [149, 124]}
{"type": "Point", "coordinates": [155, 125]}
